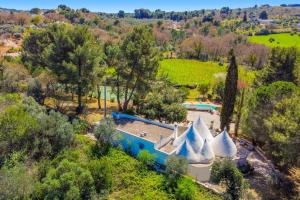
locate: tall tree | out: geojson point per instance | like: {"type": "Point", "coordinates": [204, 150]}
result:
{"type": "Point", "coordinates": [282, 66]}
{"type": "Point", "coordinates": [230, 91]}
{"type": "Point", "coordinates": [73, 56]}
{"type": "Point", "coordinates": [263, 15]}
{"type": "Point", "coordinates": [138, 65]}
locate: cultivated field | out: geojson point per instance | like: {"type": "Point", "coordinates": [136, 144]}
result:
{"type": "Point", "coordinates": [273, 40]}
{"type": "Point", "coordinates": [182, 71]}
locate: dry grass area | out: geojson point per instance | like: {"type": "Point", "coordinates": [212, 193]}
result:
{"type": "Point", "coordinates": [295, 177]}
{"type": "Point", "coordinates": [6, 44]}
{"type": "Point", "coordinates": [91, 113]}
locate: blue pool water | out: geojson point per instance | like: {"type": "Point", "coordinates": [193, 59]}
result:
{"type": "Point", "coordinates": [203, 106]}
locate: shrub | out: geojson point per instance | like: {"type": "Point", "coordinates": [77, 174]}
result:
{"type": "Point", "coordinates": [130, 111]}
{"type": "Point", "coordinates": [35, 90]}
{"type": "Point", "coordinates": [105, 134]}
{"type": "Point", "coordinates": [218, 89]}
{"type": "Point", "coordinates": [175, 167]}
{"type": "Point", "coordinates": [228, 173]}
{"type": "Point", "coordinates": [146, 158]}
{"type": "Point", "coordinates": [263, 32]}
{"type": "Point", "coordinates": [68, 180]}
{"type": "Point", "coordinates": [80, 126]}
{"type": "Point", "coordinates": [203, 88]}
{"type": "Point", "coordinates": [185, 190]}
{"type": "Point", "coordinates": [16, 182]}
{"type": "Point", "coordinates": [27, 127]}
{"type": "Point", "coordinates": [174, 113]}
{"type": "Point", "coordinates": [101, 171]}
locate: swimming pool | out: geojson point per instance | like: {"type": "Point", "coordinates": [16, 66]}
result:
{"type": "Point", "coordinates": [201, 106]}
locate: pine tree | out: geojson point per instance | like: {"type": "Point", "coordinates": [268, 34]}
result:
{"type": "Point", "coordinates": [73, 56]}
{"type": "Point", "coordinates": [230, 91]}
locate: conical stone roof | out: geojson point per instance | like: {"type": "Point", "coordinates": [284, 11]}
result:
{"type": "Point", "coordinates": [193, 137]}
{"type": "Point", "coordinates": [207, 153]}
{"type": "Point", "coordinates": [223, 146]}
{"type": "Point", "coordinates": [203, 129]}
{"type": "Point", "coordinates": [186, 150]}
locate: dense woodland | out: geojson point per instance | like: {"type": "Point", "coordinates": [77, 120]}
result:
{"type": "Point", "coordinates": [60, 59]}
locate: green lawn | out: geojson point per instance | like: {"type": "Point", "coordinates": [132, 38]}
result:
{"type": "Point", "coordinates": [187, 72]}
{"type": "Point", "coordinates": [282, 40]}
{"type": "Point", "coordinates": [182, 71]}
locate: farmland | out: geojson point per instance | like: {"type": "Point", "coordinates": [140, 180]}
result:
{"type": "Point", "coordinates": [182, 71]}
{"type": "Point", "coordinates": [273, 40]}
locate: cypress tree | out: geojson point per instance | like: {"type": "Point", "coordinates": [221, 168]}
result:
{"type": "Point", "coordinates": [230, 91]}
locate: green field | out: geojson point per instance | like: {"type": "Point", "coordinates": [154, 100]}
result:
{"type": "Point", "coordinates": [282, 40]}
{"type": "Point", "coordinates": [182, 71]}
{"type": "Point", "coordinates": [188, 72]}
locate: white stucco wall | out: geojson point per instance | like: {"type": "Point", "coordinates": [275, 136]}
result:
{"type": "Point", "coordinates": [200, 172]}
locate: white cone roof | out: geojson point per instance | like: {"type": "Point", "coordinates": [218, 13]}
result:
{"type": "Point", "coordinates": [203, 129]}
{"type": "Point", "coordinates": [223, 146]}
{"type": "Point", "coordinates": [194, 138]}
{"type": "Point", "coordinates": [186, 150]}
{"type": "Point", "coordinates": [198, 145]}
{"type": "Point", "coordinates": [207, 153]}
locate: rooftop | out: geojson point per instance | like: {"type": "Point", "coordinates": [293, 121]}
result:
{"type": "Point", "coordinates": [135, 127]}
{"type": "Point", "coordinates": [153, 132]}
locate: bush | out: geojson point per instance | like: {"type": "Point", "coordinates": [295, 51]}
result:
{"type": "Point", "coordinates": [35, 90]}
{"type": "Point", "coordinates": [174, 113]}
{"type": "Point", "coordinates": [218, 89]}
{"type": "Point", "coordinates": [105, 134]}
{"type": "Point", "coordinates": [16, 182]}
{"type": "Point", "coordinates": [146, 158]}
{"type": "Point", "coordinates": [175, 167]}
{"type": "Point", "coordinates": [67, 181]}
{"type": "Point", "coordinates": [130, 111]}
{"type": "Point", "coordinates": [228, 173]}
{"type": "Point", "coordinates": [185, 190]}
{"type": "Point", "coordinates": [27, 127]}
{"type": "Point", "coordinates": [203, 88]}
{"type": "Point", "coordinates": [101, 171]}
{"type": "Point", "coordinates": [80, 126]}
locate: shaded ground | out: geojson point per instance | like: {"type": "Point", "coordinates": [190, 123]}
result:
{"type": "Point", "coordinates": [91, 113]}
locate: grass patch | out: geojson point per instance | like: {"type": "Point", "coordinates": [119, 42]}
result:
{"type": "Point", "coordinates": [190, 72]}
{"type": "Point", "coordinates": [275, 40]}
{"type": "Point", "coordinates": [183, 71]}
